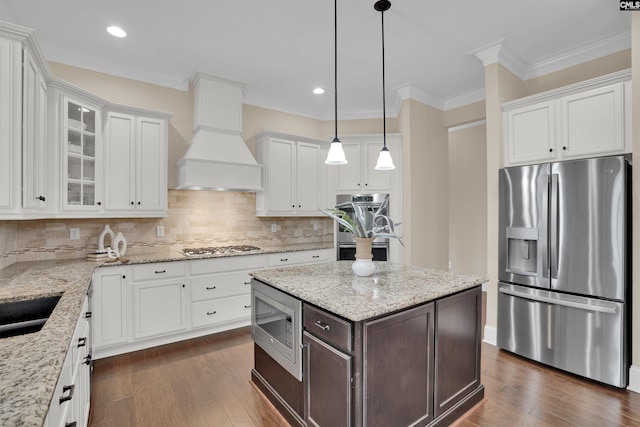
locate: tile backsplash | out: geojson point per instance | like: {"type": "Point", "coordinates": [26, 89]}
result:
{"type": "Point", "coordinates": [195, 218]}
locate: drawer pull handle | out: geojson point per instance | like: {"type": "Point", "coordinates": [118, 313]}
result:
{"type": "Point", "coordinates": [247, 283]}
{"type": "Point", "coordinates": [247, 306]}
{"type": "Point", "coordinates": [284, 259]}
{"type": "Point", "coordinates": [160, 271]}
{"type": "Point", "coordinates": [322, 325]}
{"type": "Point", "coordinates": [67, 388]}
{"type": "Point", "coordinates": [209, 313]}
{"type": "Point", "coordinates": [82, 342]}
{"type": "Point", "coordinates": [72, 424]}
{"type": "Point", "coordinates": [316, 256]}
{"type": "Point", "coordinates": [210, 288]}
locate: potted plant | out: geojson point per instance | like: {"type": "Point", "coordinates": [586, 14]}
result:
{"type": "Point", "coordinates": [365, 226]}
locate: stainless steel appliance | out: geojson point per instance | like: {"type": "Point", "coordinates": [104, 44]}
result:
{"type": "Point", "coordinates": [564, 265]}
{"type": "Point", "coordinates": [346, 245]}
{"type": "Point", "coordinates": [276, 326]}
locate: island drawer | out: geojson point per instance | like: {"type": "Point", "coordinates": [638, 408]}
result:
{"type": "Point", "coordinates": [330, 328]}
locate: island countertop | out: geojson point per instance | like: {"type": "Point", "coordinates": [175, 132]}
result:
{"type": "Point", "coordinates": [335, 288]}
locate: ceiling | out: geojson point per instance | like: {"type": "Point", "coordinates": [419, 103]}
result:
{"type": "Point", "coordinates": [282, 49]}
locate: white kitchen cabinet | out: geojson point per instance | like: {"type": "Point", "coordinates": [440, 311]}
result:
{"type": "Point", "coordinates": [593, 122]}
{"type": "Point", "coordinates": [221, 291]}
{"type": "Point", "coordinates": [35, 165]}
{"type": "Point", "coordinates": [135, 162]}
{"type": "Point", "coordinates": [10, 125]}
{"type": "Point", "coordinates": [360, 174]}
{"type": "Point", "coordinates": [587, 119]}
{"type": "Point", "coordinates": [110, 302]}
{"type": "Point", "coordinates": [82, 158]}
{"type": "Point", "coordinates": [294, 176]}
{"type": "Point", "coordinates": [159, 299]}
{"type": "Point", "coordinates": [531, 133]}
{"type": "Point", "coordinates": [72, 396]}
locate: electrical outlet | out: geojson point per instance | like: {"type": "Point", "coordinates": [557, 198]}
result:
{"type": "Point", "coordinates": [274, 228]}
{"type": "Point", "coordinates": [160, 231]}
{"type": "Point", "coordinates": [74, 234]}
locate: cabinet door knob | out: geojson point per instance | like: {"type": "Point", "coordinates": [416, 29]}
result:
{"type": "Point", "coordinates": [551, 150]}
{"type": "Point", "coordinates": [138, 202]}
{"type": "Point", "coordinates": [564, 148]}
{"type": "Point", "coordinates": [132, 203]}
{"type": "Point", "coordinates": [99, 203]}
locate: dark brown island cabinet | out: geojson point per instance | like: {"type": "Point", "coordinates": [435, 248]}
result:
{"type": "Point", "coordinates": [415, 367]}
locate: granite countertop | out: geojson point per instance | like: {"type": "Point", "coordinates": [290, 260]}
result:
{"type": "Point", "coordinates": [30, 364]}
{"type": "Point", "coordinates": [335, 288]}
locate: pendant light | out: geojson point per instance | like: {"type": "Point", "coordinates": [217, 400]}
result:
{"type": "Point", "coordinates": [336, 153]}
{"type": "Point", "coordinates": [384, 159]}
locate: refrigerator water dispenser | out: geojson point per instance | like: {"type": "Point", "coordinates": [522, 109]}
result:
{"type": "Point", "coordinates": [522, 250]}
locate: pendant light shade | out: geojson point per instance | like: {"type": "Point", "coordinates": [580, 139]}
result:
{"type": "Point", "coordinates": [336, 153]}
{"type": "Point", "coordinates": [384, 159]}
{"type": "Point", "coordinates": [385, 162]}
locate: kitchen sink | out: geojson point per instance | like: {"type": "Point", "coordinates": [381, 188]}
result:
{"type": "Point", "coordinates": [24, 317]}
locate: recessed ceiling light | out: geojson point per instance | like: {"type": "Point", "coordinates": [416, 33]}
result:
{"type": "Point", "coordinates": [318, 91]}
{"type": "Point", "coordinates": [116, 31]}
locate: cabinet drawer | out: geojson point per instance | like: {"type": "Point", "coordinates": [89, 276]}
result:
{"type": "Point", "coordinates": [221, 310]}
{"type": "Point", "coordinates": [159, 271]}
{"type": "Point", "coordinates": [220, 286]}
{"type": "Point", "coordinates": [327, 326]}
{"type": "Point", "coordinates": [300, 257]}
{"type": "Point", "coordinates": [224, 264]}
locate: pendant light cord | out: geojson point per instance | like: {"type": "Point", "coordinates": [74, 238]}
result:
{"type": "Point", "coordinates": [384, 103]}
{"type": "Point", "coordinates": [335, 67]}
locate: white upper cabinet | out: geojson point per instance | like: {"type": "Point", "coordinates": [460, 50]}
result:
{"type": "Point", "coordinates": [135, 162]}
{"type": "Point", "coordinates": [593, 122]}
{"type": "Point", "coordinates": [10, 125]}
{"type": "Point", "coordinates": [34, 135]}
{"type": "Point", "coordinates": [360, 175]}
{"type": "Point", "coordinates": [53, 160]}
{"type": "Point", "coordinates": [587, 119]}
{"type": "Point", "coordinates": [294, 176]}
{"type": "Point", "coordinates": [82, 159]}
{"type": "Point", "coordinates": [24, 166]}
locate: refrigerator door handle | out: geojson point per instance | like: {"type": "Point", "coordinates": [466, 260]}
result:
{"type": "Point", "coordinates": [554, 225]}
{"type": "Point", "coordinates": [556, 301]}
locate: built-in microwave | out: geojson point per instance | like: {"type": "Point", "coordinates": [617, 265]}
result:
{"type": "Point", "coordinates": [276, 326]}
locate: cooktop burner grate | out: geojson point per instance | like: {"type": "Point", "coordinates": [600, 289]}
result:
{"type": "Point", "coordinates": [219, 250]}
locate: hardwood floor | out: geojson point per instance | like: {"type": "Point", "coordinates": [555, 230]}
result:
{"type": "Point", "coordinates": [205, 382]}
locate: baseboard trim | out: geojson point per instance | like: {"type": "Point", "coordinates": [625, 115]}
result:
{"type": "Point", "coordinates": [634, 379]}
{"type": "Point", "coordinates": [490, 335]}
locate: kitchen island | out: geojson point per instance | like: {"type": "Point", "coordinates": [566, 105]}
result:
{"type": "Point", "coordinates": [401, 347]}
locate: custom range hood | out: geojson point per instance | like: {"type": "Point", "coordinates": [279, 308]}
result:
{"type": "Point", "coordinates": [218, 158]}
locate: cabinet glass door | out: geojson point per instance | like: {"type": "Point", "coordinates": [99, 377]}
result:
{"type": "Point", "coordinates": [81, 155]}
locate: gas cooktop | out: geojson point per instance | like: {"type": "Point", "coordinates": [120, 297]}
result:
{"type": "Point", "coordinates": [218, 250]}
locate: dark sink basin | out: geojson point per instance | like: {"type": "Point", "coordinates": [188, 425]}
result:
{"type": "Point", "coordinates": [24, 317]}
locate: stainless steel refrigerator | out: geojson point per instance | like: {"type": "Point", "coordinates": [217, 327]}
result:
{"type": "Point", "coordinates": [564, 265]}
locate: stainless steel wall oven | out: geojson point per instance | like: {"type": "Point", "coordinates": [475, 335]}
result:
{"type": "Point", "coordinates": [276, 326]}
{"type": "Point", "coordinates": [346, 245]}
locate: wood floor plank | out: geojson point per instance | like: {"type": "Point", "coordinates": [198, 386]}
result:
{"type": "Point", "coordinates": [205, 382]}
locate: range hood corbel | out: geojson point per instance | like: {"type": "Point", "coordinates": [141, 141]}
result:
{"type": "Point", "coordinates": [218, 158]}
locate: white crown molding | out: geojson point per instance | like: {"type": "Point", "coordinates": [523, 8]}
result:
{"type": "Point", "coordinates": [465, 98]}
{"type": "Point", "coordinates": [467, 125]}
{"type": "Point", "coordinates": [500, 52]}
{"type": "Point", "coordinates": [85, 60]}
{"type": "Point", "coordinates": [578, 56]}
{"type": "Point", "coordinates": [408, 90]}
